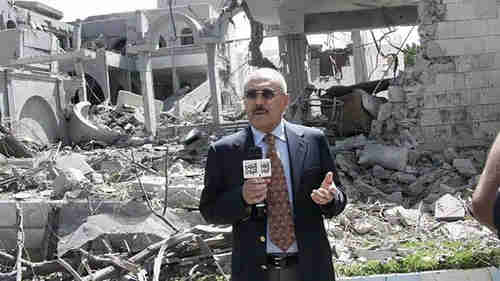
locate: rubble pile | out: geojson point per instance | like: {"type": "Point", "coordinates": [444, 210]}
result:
{"type": "Point", "coordinates": [131, 211]}
{"type": "Point", "coordinates": [124, 119]}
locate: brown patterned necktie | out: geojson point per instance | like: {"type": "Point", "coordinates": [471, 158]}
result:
{"type": "Point", "coordinates": [281, 226]}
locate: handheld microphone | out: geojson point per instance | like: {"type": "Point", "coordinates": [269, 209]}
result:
{"type": "Point", "coordinates": [256, 167]}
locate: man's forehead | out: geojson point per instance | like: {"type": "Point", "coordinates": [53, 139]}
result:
{"type": "Point", "coordinates": [260, 81]}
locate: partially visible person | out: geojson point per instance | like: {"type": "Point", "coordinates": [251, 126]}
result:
{"type": "Point", "coordinates": [486, 198]}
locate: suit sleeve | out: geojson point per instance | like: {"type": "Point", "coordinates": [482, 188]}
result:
{"type": "Point", "coordinates": [220, 204]}
{"type": "Point", "coordinates": [337, 205]}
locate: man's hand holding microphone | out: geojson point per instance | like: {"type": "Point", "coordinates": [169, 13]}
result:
{"type": "Point", "coordinates": [255, 190]}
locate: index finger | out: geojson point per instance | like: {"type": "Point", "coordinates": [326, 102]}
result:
{"type": "Point", "coordinates": [328, 180]}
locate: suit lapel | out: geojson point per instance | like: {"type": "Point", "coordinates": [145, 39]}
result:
{"type": "Point", "coordinates": [296, 152]}
{"type": "Point", "coordinates": [243, 142]}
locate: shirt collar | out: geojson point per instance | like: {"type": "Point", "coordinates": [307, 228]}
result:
{"type": "Point", "coordinates": [278, 132]}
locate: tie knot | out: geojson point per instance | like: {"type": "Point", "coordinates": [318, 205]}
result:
{"type": "Point", "coordinates": [269, 139]}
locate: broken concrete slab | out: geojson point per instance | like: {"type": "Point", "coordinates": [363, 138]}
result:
{"type": "Point", "coordinates": [151, 184]}
{"type": "Point", "coordinates": [449, 208]}
{"type": "Point", "coordinates": [126, 98]}
{"type": "Point", "coordinates": [390, 157]}
{"type": "Point", "coordinates": [35, 220]}
{"type": "Point", "coordinates": [407, 217]}
{"type": "Point", "coordinates": [83, 221]}
{"type": "Point", "coordinates": [404, 177]}
{"type": "Point", "coordinates": [381, 173]}
{"type": "Point", "coordinates": [351, 143]}
{"type": "Point", "coordinates": [81, 129]}
{"type": "Point", "coordinates": [73, 160]}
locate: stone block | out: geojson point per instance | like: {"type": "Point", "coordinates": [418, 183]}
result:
{"type": "Point", "coordinates": [449, 208]}
{"type": "Point", "coordinates": [445, 116]}
{"type": "Point", "coordinates": [396, 94]}
{"type": "Point", "coordinates": [446, 30]}
{"type": "Point", "coordinates": [468, 28]}
{"type": "Point", "coordinates": [465, 167]}
{"type": "Point", "coordinates": [446, 99]}
{"type": "Point", "coordinates": [433, 134]}
{"type": "Point", "coordinates": [493, 26]}
{"type": "Point", "coordinates": [447, 47]}
{"type": "Point", "coordinates": [471, 10]}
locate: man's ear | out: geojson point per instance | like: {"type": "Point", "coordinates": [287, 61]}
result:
{"type": "Point", "coordinates": [286, 100]}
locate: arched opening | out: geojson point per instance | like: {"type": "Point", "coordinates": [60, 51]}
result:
{"type": "Point", "coordinates": [187, 37]}
{"type": "Point", "coordinates": [11, 24]}
{"type": "Point", "coordinates": [158, 27]}
{"type": "Point", "coordinates": [38, 121]}
{"type": "Point", "coordinates": [162, 43]}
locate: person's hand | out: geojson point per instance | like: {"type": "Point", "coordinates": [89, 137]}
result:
{"type": "Point", "coordinates": [255, 190]}
{"type": "Point", "coordinates": [326, 192]}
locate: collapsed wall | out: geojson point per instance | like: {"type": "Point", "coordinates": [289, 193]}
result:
{"type": "Point", "coordinates": [457, 101]}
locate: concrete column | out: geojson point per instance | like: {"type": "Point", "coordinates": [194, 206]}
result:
{"type": "Point", "coordinates": [212, 79]}
{"type": "Point", "coordinates": [360, 72]}
{"type": "Point", "coordinates": [293, 53]}
{"type": "Point", "coordinates": [129, 81]}
{"type": "Point", "coordinates": [103, 61]}
{"type": "Point", "coordinates": [67, 43]}
{"type": "Point", "coordinates": [77, 35]}
{"type": "Point", "coordinates": [175, 85]}
{"type": "Point", "coordinates": [79, 68]}
{"type": "Point", "coordinates": [80, 71]}
{"type": "Point", "coordinates": [20, 47]}
{"type": "Point", "coordinates": [54, 65]}
{"type": "Point", "coordinates": [146, 71]}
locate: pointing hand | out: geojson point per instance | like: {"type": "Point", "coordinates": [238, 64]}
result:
{"type": "Point", "coordinates": [326, 192]}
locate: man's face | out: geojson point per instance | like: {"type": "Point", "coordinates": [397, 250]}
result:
{"type": "Point", "coordinates": [264, 104]}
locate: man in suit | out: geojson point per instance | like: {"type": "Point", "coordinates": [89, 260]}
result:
{"type": "Point", "coordinates": [486, 198]}
{"type": "Point", "coordinates": [289, 241]}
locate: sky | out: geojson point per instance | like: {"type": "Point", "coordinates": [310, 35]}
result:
{"type": "Point", "coordinates": [74, 9]}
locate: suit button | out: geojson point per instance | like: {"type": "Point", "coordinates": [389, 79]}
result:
{"type": "Point", "coordinates": [262, 239]}
{"type": "Point", "coordinates": [264, 267]}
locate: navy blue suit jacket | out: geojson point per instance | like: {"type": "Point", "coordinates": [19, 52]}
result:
{"type": "Point", "coordinates": [222, 202]}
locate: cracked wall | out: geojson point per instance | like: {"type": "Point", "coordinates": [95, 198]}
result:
{"type": "Point", "coordinates": [457, 98]}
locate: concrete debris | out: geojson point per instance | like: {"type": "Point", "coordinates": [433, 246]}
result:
{"type": "Point", "coordinates": [465, 167]}
{"type": "Point", "coordinates": [68, 180]}
{"type": "Point", "coordinates": [389, 157]}
{"type": "Point", "coordinates": [449, 208]}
